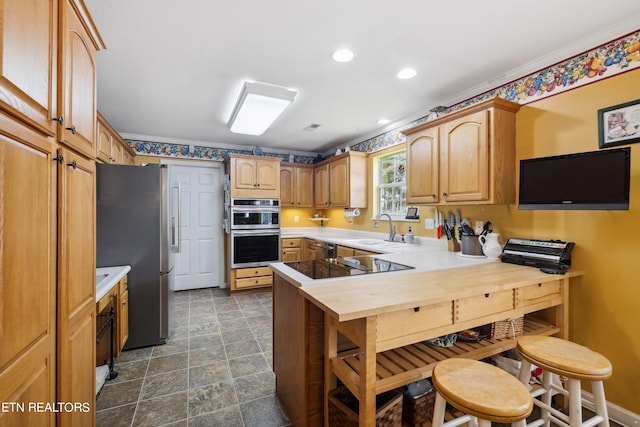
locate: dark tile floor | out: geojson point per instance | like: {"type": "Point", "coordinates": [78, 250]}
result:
{"type": "Point", "coordinates": [215, 371]}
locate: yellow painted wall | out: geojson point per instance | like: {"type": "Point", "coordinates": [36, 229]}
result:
{"type": "Point", "coordinates": [605, 302]}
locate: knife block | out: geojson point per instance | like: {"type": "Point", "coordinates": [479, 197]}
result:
{"type": "Point", "coordinates": [453, 245]}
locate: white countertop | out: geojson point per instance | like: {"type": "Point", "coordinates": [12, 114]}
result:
{"type": "Point", "coordinates": [427, 254]}
{"type": "Point", "coordinates": [108, 277]}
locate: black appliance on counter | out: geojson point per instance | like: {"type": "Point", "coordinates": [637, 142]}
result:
{"type": "Point", "coordinates": [134, 227]}
{"type": "Point", "coordinates": [347, 266]}
{"type": "Point", "coordinates": [551, 256]}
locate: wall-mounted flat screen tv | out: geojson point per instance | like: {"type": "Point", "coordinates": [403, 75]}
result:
{"type": "Point", "coordinates": [583, 181]}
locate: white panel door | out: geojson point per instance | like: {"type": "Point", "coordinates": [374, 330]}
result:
{"type": "Point", "coordinates": [200, 262]}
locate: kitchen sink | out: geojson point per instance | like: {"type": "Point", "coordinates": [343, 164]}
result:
{"type": "Point", "coordinates": [373, 242]}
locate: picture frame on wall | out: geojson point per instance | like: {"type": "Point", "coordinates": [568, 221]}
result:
{"type": "Point", "coordinates": [619, 124]}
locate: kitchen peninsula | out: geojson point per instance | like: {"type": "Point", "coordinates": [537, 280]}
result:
{"type": "Point", "coordinates": [384, 320]}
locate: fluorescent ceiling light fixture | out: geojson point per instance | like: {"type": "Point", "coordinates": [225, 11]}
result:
{"type": "Point", "coordinates": [384, 121]}
{"type": "Point", "coordinates": [258, 106]}
{"type": "Point", "coordinates": [407, 73]}
{"type": "Point", "coordinates": [343, 55]}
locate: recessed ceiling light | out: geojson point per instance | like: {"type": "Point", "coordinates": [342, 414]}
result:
{"type": "Point", "coordinates": [407, 73]}
{"type": "Point", "coordinates": [343, 55]}
{"type": "Point", "coordinates": [384, 121]}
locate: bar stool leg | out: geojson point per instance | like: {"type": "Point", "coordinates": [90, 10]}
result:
{"type": "Point", "coordinates": [597, 387]}
{"type": "Point", "coordinates": [438, 411]}
{"type": "Point", "coordinates": [575, 403]}
{"type": "Point", "coordinates": [547, 380]}
{"type": "Point", "coordinates": [525, 372]}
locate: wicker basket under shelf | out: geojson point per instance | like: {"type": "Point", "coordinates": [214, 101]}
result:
{"type": "Point", "coordinates": [417, 411]}
{"type": "Point", "coordinates": [509, 328]}
{"type": "Point", "coordinates": [343, 408]}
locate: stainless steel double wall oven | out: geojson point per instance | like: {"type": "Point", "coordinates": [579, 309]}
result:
{"type": "Point", "coordinates": [255, 232]}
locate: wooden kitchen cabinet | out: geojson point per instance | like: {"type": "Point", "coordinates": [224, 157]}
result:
{"type": "Point", "coordinates": [309, 249]}
{"type": "Point", "coordinates": [296, 185]}
{"type": "Point", "coordinates": [346, 251]}
{"type": "Point", "coordinates": [118, 297]}
{"type": "Point", "coordinates": [77, 67]}
{"type": "Point", "coordinates": [466, 157]}
{"type": "Point", "coordinates": [111, 147]}
{"type": "Point", "coordinates": [254, 176]}
{"type": "Point", "coordinates": [123, 313]}
{"type": "Point", "coordinates": [28, 82]}
{"type": "Point", "coordinates": [27, 272]}
{"type": "Point", "coordinates": [250, 278]}
{"type": "Point", "coordinates": [321, 186]}
{"type": "Point", "coordinates": [422, 166]}
{"type": "Point", "coordinates": [341, 182]}
{"type": "Point", "coordinates": [76, 284]}
{"type": "Point", "coordinates": [291, 250]}
{"type": "Point", "coordinates": [47, 307]}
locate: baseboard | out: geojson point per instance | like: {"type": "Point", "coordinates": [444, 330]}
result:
{"type": "Point", "coordinates": [616, 413]}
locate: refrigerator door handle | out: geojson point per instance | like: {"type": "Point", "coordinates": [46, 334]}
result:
{"type": "Point", "coordinates": [176, 221]}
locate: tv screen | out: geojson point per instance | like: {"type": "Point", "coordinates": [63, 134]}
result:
{"type": "Point", "coordinates": [582, 181]}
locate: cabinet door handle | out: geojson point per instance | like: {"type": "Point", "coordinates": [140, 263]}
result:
{"type": "Point", "coordinates": [433, 196]}
{"type": "Point", "coordinates": [72, 129]}
{"type": "Point", "coordinates": [444, 194]}
{"type": "Point", "coordinates": [59, 119]}
{"type": "Point", "coordinates": [59, 159]}
{"type": "Point", "coordinates": [73, 164]}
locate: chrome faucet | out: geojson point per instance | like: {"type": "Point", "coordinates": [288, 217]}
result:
{"type": "Point", "coordinates": [392, 228]}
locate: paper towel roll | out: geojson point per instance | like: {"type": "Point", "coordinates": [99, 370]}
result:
{"type": "Point", "coordinates": [352, 212]}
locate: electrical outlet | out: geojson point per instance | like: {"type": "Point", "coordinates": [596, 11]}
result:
{"type": "Point", "coordinates": [296, 219]}
{"type": "Point", "coordinates": [429, 224]}
{"type": "Point", "coordinates": [479, 225]}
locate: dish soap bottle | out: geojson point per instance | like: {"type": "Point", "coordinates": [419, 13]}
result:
{"type": "Point", "coordinates": [409, 237]}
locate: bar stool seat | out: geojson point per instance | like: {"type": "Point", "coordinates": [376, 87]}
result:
{"type": "Point", "coordinates": [576, 363]}
{"type": "Point", "coordinates": [479, 390]}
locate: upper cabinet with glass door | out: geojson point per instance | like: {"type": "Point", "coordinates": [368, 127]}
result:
{"type": "Point", "coordinates": [465, 157]}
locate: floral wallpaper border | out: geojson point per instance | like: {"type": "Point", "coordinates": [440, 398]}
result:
{"type": "Point", "coordinates": [607, 60]}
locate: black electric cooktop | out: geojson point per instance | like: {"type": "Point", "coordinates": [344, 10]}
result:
{"type": "Point", "coordinates": [347, 266]}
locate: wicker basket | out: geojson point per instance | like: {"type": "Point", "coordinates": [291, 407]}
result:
{"type": "Point", "coordinates": [343, 408]}
{"type": "Point", "coordinates": [418, 410]}
{"type": "Point", "coordinates": [510, 328]}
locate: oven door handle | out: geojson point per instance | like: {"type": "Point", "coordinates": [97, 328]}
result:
{"type": "Point", "coordinates": [275, 232]}
{"type": "Point", "coordinates": [255, 210]}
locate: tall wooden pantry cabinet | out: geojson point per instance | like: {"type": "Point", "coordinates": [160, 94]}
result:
{"type": "Point", "coordinates": [47, 212]}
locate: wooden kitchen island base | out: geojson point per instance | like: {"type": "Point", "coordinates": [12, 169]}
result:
{"type": "Point", "coordinates": [388, 325]}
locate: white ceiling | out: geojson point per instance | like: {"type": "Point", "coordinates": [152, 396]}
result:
{"type": "Point", "coordinates": [173, 69]}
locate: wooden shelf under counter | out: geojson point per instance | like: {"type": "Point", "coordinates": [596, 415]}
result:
{"type": "Point", "coordinates": [403, 365]}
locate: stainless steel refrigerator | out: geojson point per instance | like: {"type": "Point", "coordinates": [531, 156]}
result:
{"type": "Point", "coordinates": [134, 227]}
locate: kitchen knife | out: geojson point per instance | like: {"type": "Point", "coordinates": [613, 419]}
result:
{"type": "Point", "coordinates": [436, 219]}
{"type": "Point", "coordinates": [459, 223]}
{"type": "Point", "coordinates": [440, 221]}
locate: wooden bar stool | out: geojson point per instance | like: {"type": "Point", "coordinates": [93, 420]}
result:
{"type": "Point", "coordinates": [558, 357]}
{"type": "Point", "coordinates": [482, 391]}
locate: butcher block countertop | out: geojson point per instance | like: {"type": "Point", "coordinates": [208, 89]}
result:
{"type": "Point", "coordinates": [362, 296]}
